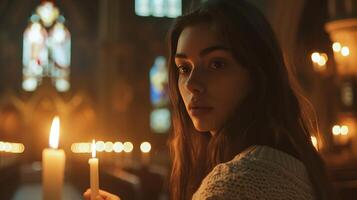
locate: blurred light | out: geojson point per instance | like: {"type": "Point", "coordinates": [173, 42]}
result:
{"type": "Point", "coordinates": [345, 51]}
{"type": "Point", "coordinates": [35, 34]}
{"type": "Point", "coordinates": [108, 147]}
{"type": "Point", "coordinates": [80, 148]}
{"type": "Point", "coordinates": [174, 8]}
{"type": "Point", "coordinates": [74, 148]}
{"type": "Point", "coordinates": [128, 147]}
{"type": "Point", "coordinates": [7, 147]}
{"type": "Point", "coordinates": [11, 147]}
{"type": "Point", "coordinates": [336, 130]}
{"type": "Point", "coordinates": [315, 57]}
{"type": "Point", "coordinates": [48, 13]}
{"type": "Point", "coordinates": [2, 146]}
{"type": "Point", "coordinates": [145, 147]}
{"type": "Point", "coordinates": [59, 33]}
{"type": "Point", "coordinates": [336, 46]}
{"type": "Point", "coordinates": [87, 147]}
{"type": "Point", "coordinates": [142, 7]}
{"type": "Point", "coordinates": [160, 120]}
{"type": "Point", "coordinates": [30, 84]}
{"type": "Point", "coordinates": [344, 130]}
{"type": "Point", "coordinates": [118, 147]}
{"type": "Point", "coordinates": [83, 147]}
{"type": "Point", "coordinates": [323, 59]}
{"type": "Point", "coordinates": [62, 85]}
{"type": "Point", "coordinates": [36, 166]}
{"type": "Point", "coordinates": [158, 8]}
{"type": "Point", "coordinates": [100, 146]}
{"type": "Point", "coordinates": [17, 148]}
{"type": "Point", "coordinates": [93, 149]}
{"type": "Point", "coordinates": [314, 141]}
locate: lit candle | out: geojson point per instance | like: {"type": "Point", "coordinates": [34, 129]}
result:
{"type": "Point", "coordinates": [118, 147]}
{"type": "Point", "coordinates": [145, 148]}
{"type": "Point", "coordinates": [340, 134]}
{"type": "Point", "coordinates": [94, 177]}
{"type": "Point", "coordinates": [128, 148]}
{"type": "Point", "coordinates": [53, 165]}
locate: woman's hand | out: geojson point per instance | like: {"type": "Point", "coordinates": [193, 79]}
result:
{"type": "Point", "coordinates": [103, 195]}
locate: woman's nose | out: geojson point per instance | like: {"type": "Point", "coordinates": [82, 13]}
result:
{"type": "Point", "coordinates": [195, 83]}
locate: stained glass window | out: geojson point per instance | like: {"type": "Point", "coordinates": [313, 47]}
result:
{"type": "Point", "coordinates": [158, 8]}
{"type": "Point", "coordinates": [46, 49]}
{"type": "Point", "coordinates": [160, 120]}
{"type": "Point", "coordinates": [160, 116]}
{"type": "Point", "coordinates": [158, 82]}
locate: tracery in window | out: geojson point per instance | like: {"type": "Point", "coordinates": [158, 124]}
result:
{"type": "Point", "coordinates": [46, 49]}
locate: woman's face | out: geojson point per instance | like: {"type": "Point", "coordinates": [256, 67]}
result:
{"type": "Point", "coordinates": [211, 82]}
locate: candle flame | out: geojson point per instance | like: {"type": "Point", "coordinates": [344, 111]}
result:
{"type": "Point", "coordinates": [128, 147]}
{"type": "Point", "coordinates": [54, 134]}
{"type": "Point", "coordinates": [93, 149]}
{"type": "Point", "coordinates": [145, 147]}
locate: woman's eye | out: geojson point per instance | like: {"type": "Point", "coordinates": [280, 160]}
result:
{"type": "Point", "coordinates": [183, 69]}
{"type": "Point", "coordinates": [217, 64]}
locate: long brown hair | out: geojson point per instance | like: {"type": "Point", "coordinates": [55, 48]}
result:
{"type": "Point", "coordinates": [273, 113]}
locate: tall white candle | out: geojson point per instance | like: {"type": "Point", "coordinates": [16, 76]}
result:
{"type": "Point", "coordinates": [94, 177]}
{"type": "Point", "coordinates": [53, 162]}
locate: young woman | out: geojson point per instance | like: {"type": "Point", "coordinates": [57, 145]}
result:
{"type": "Point", "coordinates": [240, 126]}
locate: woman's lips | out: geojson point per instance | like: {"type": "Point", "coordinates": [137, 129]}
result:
{"type": "Point", "coordinates": [199, 111]}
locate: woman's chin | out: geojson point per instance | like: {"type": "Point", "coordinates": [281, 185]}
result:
{"type": "Point", "coordinates": [202, 128]}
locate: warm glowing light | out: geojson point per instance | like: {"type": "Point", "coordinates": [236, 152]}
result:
{"type": "Point", "coordinates": [87, 147]}
{"type": "Point", "coordinates": [2, 146]}
{"type": "Point", "coordinates": [74, 148]}
{"type": "Point", "coordinates": [344, 130]}
{"type": "Point", "coordinates": [314, 141]}
{"type": "Point", "coordinates": [93, 148]}
{"type": "Point", "coordinates": [80, 148]}
{"type": "Point", "coordinates": [345, 51]}
{"type": "Point", "coordinates": [336, 46]}
{"type": "Point", "coordinates": [48, 13]}
{"type": "Point", "coordinates": [83, 147]}
{"type": "Point", "coordinates": [315, 57]}
{"type": "Point", "coordinates": [17, 148]}
{"type": "Point", "coordinates": [323, 59]}
{"type": "Point", "coordinates": [145, 147]}
{"type": "Point", "coordinates": [118, 147]}
{"type": "Point", "coordinates": [128, 147]}
{"type": "Point", "coordinates": [11, 147]}
{"type": "Point", "coordinates": [336, 130]}
{"type": "Point", "coordinates": [108, 147]}
{"type": "Point", "coordinates": [7, 147]}
{"type": "Point", "coordinates": [54, 134]}
{"type": "Point", "coordinates": [100, 146]}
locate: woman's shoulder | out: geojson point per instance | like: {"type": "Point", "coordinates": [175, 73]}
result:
{"type": "Point", "coordinates": [258, 172]}
{"type": "Point", "coordinates": [260, 158]}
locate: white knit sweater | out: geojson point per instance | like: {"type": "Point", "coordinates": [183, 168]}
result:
{"type": "Point", "coordinates": [260, 172]}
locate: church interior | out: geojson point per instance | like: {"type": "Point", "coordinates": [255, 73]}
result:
{"type": "Point", "coordinates": [92, 74]}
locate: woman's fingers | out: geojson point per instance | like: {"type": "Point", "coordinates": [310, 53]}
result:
{"type": "Point", "coordinates": [108, 196]}
{"type": "Point", "coordinates": [100, 198]}
{"type": "Point", "coordinates": [86, 194]}
{"type": "Point", "coordinates": [103, 195]}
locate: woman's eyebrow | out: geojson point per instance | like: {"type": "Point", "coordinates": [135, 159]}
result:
{"type": "Point", "coordinates": [213, 48]}
{"type": "Point", "coordinates": [205, 51]}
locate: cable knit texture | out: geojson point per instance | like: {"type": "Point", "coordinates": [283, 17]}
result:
{"type": "Point", "coordinates": [260, 172]}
